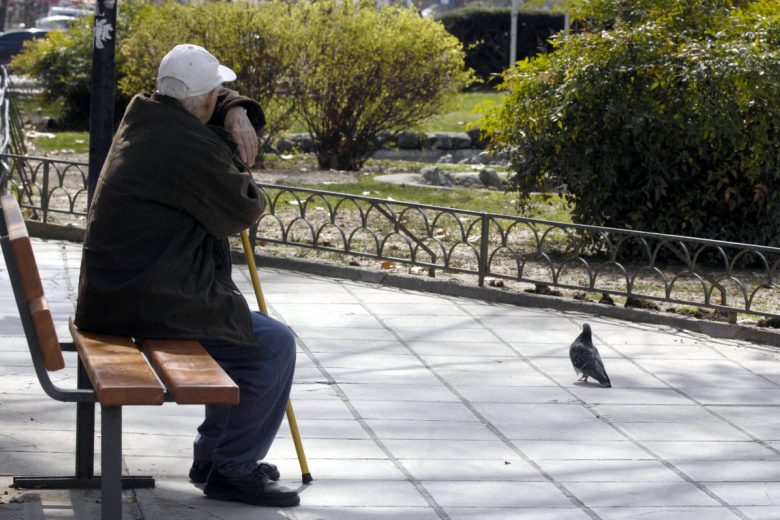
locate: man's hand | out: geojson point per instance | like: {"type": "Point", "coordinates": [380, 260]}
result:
{"type": "Point", "coordinates": [240, 128]}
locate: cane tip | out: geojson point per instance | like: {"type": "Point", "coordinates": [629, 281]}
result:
{"type": "Point", "coordinates": [307, 478]}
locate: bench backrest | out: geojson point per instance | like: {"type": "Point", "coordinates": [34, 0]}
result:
{"type": "Point", "coordinates": [26, 282]}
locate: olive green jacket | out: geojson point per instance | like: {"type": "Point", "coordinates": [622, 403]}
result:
{"type": "Point", "coordinates": [156, 262]}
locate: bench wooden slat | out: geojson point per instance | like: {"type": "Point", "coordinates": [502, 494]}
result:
{"type": "Point", "coordinates": [47, 334]}
{"type": "Point", "coordinates": [27, 269]}
{"type": "Point", "coordinates": [117, 369]}
{"type": "Point", "coordinates": [190, 373]}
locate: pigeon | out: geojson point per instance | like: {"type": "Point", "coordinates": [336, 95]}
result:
{"type": "Point", "coordinates": [586, 360]}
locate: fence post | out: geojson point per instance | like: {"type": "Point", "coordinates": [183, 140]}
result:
{"type": "Point", "coordinates": [484, 242]}
{"type": "Point", "coordinates": [45, 192]}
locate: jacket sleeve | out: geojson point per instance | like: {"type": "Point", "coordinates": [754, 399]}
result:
{"type": "Point", "coordinates": [227, 99]}
{"type": "Point", "coordinates": [223, 199]}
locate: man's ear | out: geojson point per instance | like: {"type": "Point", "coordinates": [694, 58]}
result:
{"type": "Point", "coordinates": [212, 99]}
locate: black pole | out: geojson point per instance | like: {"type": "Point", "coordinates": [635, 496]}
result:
{"type": "Point", "coordinates": [101, 108]}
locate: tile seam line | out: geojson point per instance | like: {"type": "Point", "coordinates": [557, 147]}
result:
{"type": "Point", "coordinates": [418, 485]}
{"type": "Point", "coordinates": [684, 476]}
{"type": "Point", "coordinates": [465, 402]}
{"type": "Point", "coordinates": [706, 408]}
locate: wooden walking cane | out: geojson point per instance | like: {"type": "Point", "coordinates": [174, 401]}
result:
{"type": "Point", "coordinates": [296, 435]}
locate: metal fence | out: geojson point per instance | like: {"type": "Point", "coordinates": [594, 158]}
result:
{"type": "Point", "coordinates": [727, 277]}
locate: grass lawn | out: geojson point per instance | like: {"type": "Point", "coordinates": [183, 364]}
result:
{"type": "Point", "coordinates": [459, 111]}
{"type": "Point", "coordinates": [76, 142]}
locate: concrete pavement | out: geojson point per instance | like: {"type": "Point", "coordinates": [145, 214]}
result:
{"type": "Point", "coordinates": [415, 407]}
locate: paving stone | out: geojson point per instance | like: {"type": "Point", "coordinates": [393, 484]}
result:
{"type": "Point", "coordinates": [480, 493]}
{"type": "Point", "coordinates": [527, 376]}
{"type": "Point", "coordinates": [599, 470]}
{"type": "Point", "coordinates": [527, 394]}
{"type": "Point", "coordinates": [581, 450]}
{"type": "Point", "coordinates": [633, 494]}
{"type": "Point", "coordinates": [731, 470]}
{"type": "Point", "coordinates": [655, 413]}
{"type": "Point", "coordinates": [597, 395]}
{"type": "Point", "coordinates": [434, 449]}
{"type": "Point", "coordinates": [423, 429]}
{"type": "Point", "coordinates": [468, 470]}
{"type": "Point", "coordinates": [413, 410]}
{"type": "Point", "coordinates": [665, 513]}
{"type": "Point", "coordinates": [371, 493]}
{"type": "Point", "coordinates": [355, 346]}
{"type": "Point", "coordinates": [447, 348]}
{"type": "Point", "coordinates": [363, 513]}
{"type": "Point", "coordinates": [705, 431]}
{"type": "Point", "coordinates": [760, 512]}
{"type": "Point", "coordinates": [387, 392]}
{"type": "Point", "coordinates": [713, 451]}
{"type": "Point", "coordinates": [747, 493]}
{"type": "Point", "coordinates": [526, 513]}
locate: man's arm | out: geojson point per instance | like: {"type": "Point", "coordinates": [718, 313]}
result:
{"type": "Point", "coordinates": [242, 118]}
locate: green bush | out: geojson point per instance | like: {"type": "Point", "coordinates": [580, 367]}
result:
{"type": "Point", "coordinates": [485, 33]}
{"type": "Point", "coordinates": [250, 39]}
{"type": "Point", "coordinates": [667, 121]}
{"type": "Point", "coordinates": [360, 70]}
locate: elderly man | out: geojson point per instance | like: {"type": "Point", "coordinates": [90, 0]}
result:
{"type": "Point", "coordinates": [156, 261]}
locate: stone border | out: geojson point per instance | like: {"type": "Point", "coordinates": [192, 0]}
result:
{"type": "Point", "coordinates": [764, 336]}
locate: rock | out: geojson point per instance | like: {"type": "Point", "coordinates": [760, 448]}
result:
{"type": "Point", "coordinates": [433, 176]}
{"type": "Point", "coordinates": [641, 304]}
{"type": "Point", "coordinates": [769, 322]}
{"type": "Point", "coordinates": [383, 137]}
{"type": "Point", "coordinates": [476, 139]}
{"type": "Point", "coordinates": [408, 140]}
{"type": "Point", "coordinates": [448, 140]}
{"type": "Point", "coordinates": [490, 179]}
{"type": "Point", "coordinates": [606, 299]}
{"type": "Point", "coordinates": [300, 142]}
{"type": "Point", "coordinates": [445, 159]}
{"type": "Point", "coordinates": [541, 288]}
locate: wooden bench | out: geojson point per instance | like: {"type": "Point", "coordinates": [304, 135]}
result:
{"type": "Point", "coordinates": [111, 370]}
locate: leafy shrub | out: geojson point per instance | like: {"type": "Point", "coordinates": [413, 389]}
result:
{"type": "Point", "coordinates": [360, 70]}
{"type": "Point", "coordinates": [668, 121]}
{"type": "Point", "coordinates": [485, 33]}
{"type": "Point", "coordinates": [250, 39]}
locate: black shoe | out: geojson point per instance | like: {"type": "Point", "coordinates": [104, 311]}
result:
{"type": "Point", "coordinates": [256, 489]}
{"type": "Point", "coordinates": [199, 471]}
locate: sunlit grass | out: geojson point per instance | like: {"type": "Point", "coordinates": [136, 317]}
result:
{"type": "Point", "coordinates": [76, 142]}
{"type": "Point", "coordinates": [459, 111]}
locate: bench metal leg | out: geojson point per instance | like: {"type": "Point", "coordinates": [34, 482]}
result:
{"type": "Point", "coordinates": [111, 462]}
{"type": "Point", "coordinates": [85, 430]}
{"type": "Point", "coordinates": [85, 454]}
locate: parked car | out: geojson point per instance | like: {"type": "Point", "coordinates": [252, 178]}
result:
{"type": "Point", "coordinates": [56, 21]}
{"type": "Point", "coordinates": [11, 42]}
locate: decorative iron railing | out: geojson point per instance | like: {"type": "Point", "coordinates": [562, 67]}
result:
{"type": "Point", "coordinates": [724, 276]}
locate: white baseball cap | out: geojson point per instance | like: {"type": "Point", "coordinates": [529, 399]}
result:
{"type": "Point", "coordinates": [196, 67]}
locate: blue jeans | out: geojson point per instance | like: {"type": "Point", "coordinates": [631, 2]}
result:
{"type": "Point", "coordinates": [234, 437]}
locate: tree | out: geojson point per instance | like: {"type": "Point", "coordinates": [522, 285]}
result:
{"type": "Point", "coordinates": [360, 70]}
{"type": "Point", "coordinates": [659, 115]}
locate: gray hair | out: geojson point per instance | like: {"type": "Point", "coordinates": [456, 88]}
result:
{"type": "Point", "coordinates": [175, 88]}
